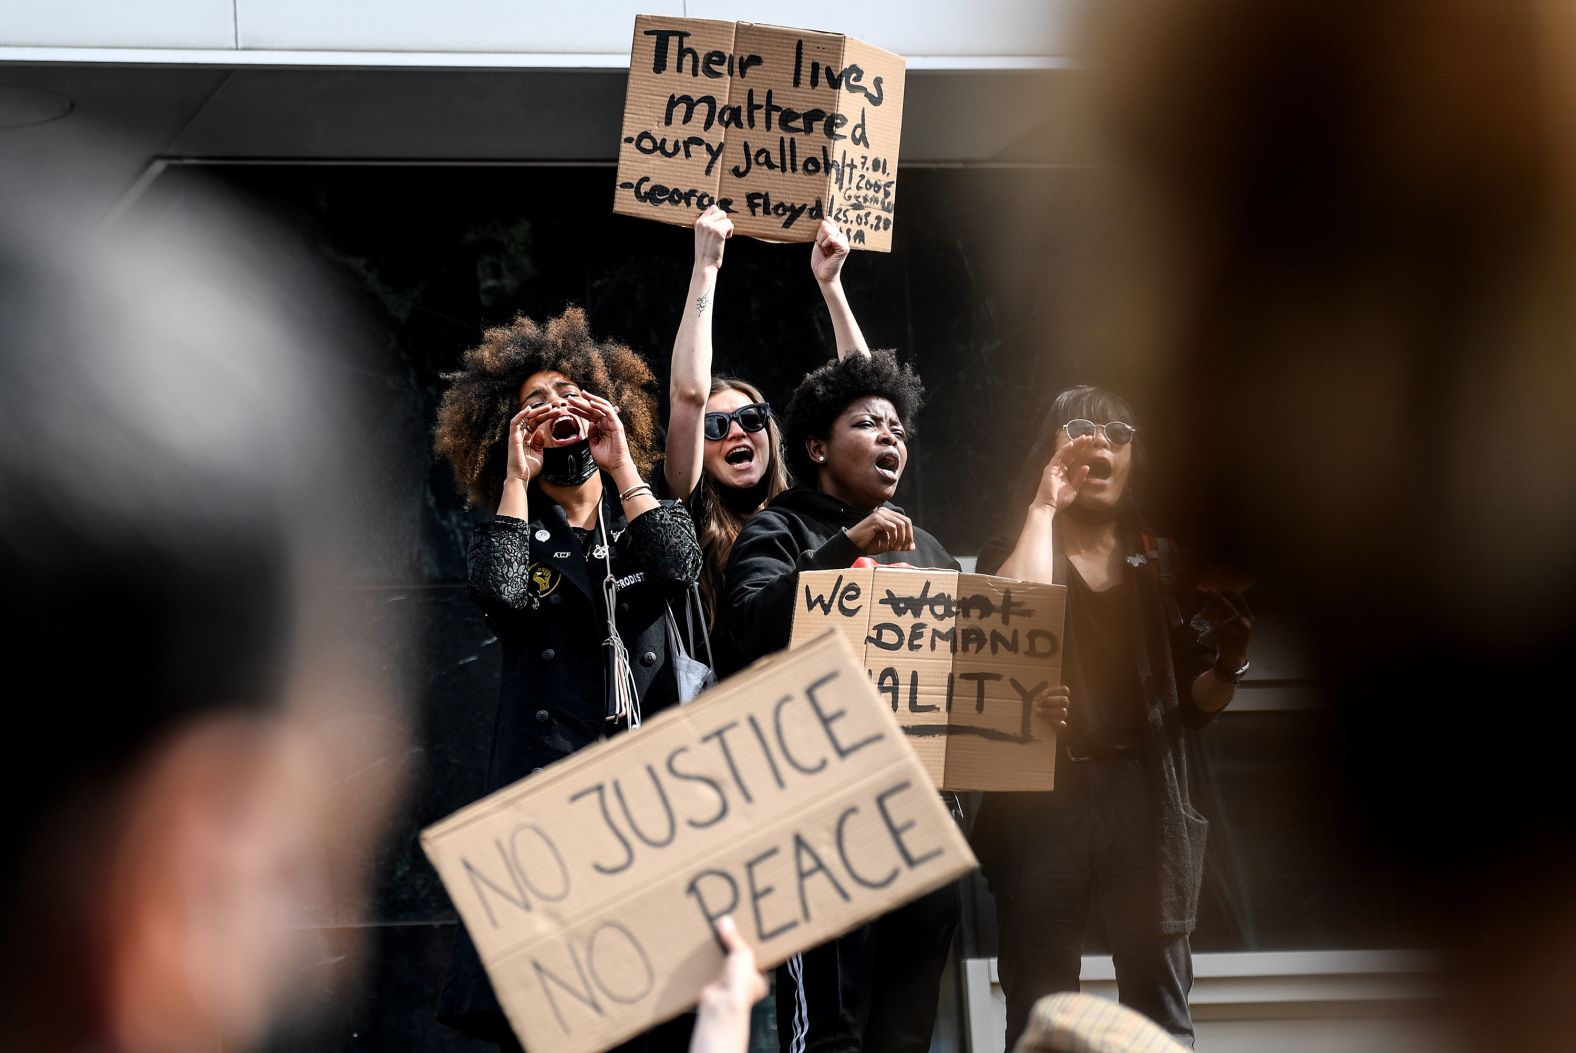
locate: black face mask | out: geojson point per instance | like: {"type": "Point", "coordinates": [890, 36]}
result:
{"type": "Point", "coordinates": [568, 465]}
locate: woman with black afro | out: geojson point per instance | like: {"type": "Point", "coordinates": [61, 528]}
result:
{"type": "Point", "coordinates": [575, 571]}
{"type": "Point", "coordinates": [846, 440]}
{"type": "Point", "coordinates": [847, 433]}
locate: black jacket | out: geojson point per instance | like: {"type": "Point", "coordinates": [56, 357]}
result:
{"type": "Point", "coordinates": [1167, 659]}
{"type": "Point", "coordinates": [543, 600]}
{"type": "Point", "coordinates": [802, 529]}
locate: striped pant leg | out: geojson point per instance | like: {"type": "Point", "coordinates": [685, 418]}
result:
{"type": "Point", "coordinates": [823, 996]}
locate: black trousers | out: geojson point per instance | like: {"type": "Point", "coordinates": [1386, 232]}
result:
{"type": "Point", "coordinates": [1093, 834]}
{"type": "Point", "coordinates": [672, 1036]}
{"type": "Point", "coordinates": [874, 989]}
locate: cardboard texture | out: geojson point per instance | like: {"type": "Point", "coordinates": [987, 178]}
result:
{"type": "Point", "coordinates": [779, 127]}
{"type": "Point", "coordinates": [785, 796]}
{"type": "Point", "coordinates": [959, 659]}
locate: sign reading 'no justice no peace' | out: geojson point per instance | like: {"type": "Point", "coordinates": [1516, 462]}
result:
{"type": "Point", "coordinates": [786, 797]}
{"type": "Point", "coordinates": [961, 659]}
{"type": "Point", "coordinates": [779, 127]}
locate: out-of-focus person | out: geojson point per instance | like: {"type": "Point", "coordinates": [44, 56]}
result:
{"type": "Point", "coordinates": [1081, 1023]}
{"type": "Point", "coordinates": [1354, 290]}
{"type": "Point", "coordinates": [181, 807]}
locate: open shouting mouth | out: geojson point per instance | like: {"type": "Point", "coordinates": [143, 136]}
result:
{"type": "Point", "coordinates": [888, 465]}
{"type": "Point", "coordinates": [564, 430]}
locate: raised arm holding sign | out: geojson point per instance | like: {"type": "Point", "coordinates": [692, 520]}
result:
{"type": "Point", "coordinates": [724, 452]}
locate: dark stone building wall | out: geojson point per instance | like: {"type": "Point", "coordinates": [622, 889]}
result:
{"type": "Point", "coordinates": [972, 295]}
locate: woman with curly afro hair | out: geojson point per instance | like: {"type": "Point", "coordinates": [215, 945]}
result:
{"type": "Point", "coordinates": [574, 572]}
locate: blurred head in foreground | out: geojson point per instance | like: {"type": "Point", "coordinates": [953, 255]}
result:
{"type": "Point", "coordinates": [1353, 299]}
{"type": "Point", "coordinates": [164, 450]}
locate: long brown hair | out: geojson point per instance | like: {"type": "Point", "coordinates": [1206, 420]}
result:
{"type": "Point", "coordinates": [717, 525]}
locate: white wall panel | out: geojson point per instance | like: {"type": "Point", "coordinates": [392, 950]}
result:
{"type": "Point", "coordinates": [1013, 30]}
{"type": "Point", "coordinates": [932, 27]}
{"type": "Point", "coordinates": [597, 26]}
{"type": "Point", "coordinates": [118, 23]}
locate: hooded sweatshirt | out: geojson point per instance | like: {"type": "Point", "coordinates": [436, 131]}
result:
{"type": "Point", "coordinates": [802, 529]}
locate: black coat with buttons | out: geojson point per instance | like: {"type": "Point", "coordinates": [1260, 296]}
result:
{"type": "Point", "coordinates": [543, 600]}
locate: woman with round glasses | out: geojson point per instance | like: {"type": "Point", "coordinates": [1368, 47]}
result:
{"type": "Point", "coordinates": [723, 445]}
{"type": "Point", "coordinates": [1142, 679]}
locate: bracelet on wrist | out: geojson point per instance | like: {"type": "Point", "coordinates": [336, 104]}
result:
{"type": "Point", "coordinates": [635, 491]}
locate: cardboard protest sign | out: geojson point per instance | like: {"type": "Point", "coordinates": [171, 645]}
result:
{"type": "Point", "coordinates": [786, 797]}
{"type": "Point", "coordinates": [960, 660]}
{"type": "Point", "coordinates": [778, 127]}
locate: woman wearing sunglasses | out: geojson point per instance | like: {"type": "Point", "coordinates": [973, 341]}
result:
{"type": "Point", "coordinates": [1142, 679]}
{"type": "Point", "coordinates": [723, 446]}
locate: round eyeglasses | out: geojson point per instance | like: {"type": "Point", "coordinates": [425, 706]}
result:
{"type": "Point", "coordinates": [1116, 433]}
{"type": "Point", "coordinates": [752, 417]}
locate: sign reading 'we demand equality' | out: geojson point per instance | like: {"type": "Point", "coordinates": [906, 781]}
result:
{"type": "Point", "coordinates": [961, 660]}
{"type": "Point", "coordinates": [786, 797]}
{"type": "Point", "coordinates": [778, 127]}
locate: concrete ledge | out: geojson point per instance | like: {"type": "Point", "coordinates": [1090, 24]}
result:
{"type": "Point", "coordinates": [1291, 1001]}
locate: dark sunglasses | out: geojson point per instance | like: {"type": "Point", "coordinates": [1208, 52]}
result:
{"type": "Point", "coordinates": [1116, 433]}
{"type": "Point", "coordinates": [751, 418]}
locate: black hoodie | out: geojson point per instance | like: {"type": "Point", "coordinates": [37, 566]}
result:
{"type": "Point", "coordinates": [802, 529]}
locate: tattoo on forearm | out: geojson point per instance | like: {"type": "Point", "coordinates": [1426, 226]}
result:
{"type": "Point", "coordinates": [701, 303]}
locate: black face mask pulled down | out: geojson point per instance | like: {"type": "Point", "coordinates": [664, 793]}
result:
{"type": "Point", "coordinates": [568, 465]}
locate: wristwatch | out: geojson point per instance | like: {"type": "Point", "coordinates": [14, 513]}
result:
{"type": "Point", "coordinates": [1231, 676]}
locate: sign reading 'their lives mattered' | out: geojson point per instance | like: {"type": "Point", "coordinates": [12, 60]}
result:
{"type": "Point", "coordinates": [779, 127]}
{"type": "Point", "coordinates": [786, 797]}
